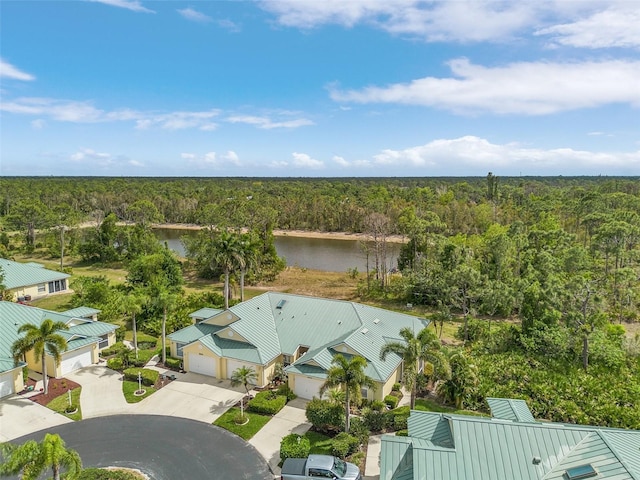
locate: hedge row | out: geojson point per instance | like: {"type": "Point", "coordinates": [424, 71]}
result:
{"type": "Point", "coordinates": [294, 446]}
{"type": "Point", "coordinates": [267, 403]}
{"type": "Point", "coordinates": [149, 377]}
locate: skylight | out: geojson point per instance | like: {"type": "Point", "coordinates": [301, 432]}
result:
{"type": "Point", "coordinates": [582, 471]}
{"type": "Point", "coordinates": [281, 304]}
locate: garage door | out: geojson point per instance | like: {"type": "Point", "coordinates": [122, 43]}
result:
{"type": "Point", "coordinates": [233, 365]}
{"type": "Point", "coordinates": [306, 387]}
{"type": "Point", "coordinates": [202, 364]}
{"type": "Point", "coordinates": [6, 384]}
{"type": "Point", "coordinates": [76, 359]}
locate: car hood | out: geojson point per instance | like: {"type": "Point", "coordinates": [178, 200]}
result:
{"type": "Point", "coordinates": [352, 473]}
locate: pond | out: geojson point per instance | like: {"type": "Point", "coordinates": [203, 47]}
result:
{"type": "Point", "coordinates": [330, 255]}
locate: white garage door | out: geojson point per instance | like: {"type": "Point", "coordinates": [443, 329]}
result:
{"type": "Point", "coordinates": [76, 359]}
{"type": "Point", "coordinates": [202, 364]}
{"type": "Point", "coordinates": [306, 387]}
{"type": "Point", "coordinates": [233, 365]}
{"type": "Point", "coordinates": [6, 384]}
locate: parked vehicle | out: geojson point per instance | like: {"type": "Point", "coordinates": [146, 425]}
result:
{"type": "Point", "coordinates": [319, 466]}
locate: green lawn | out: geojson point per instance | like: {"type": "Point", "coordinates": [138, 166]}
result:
{"type": "Point", "coordinates": [56, 303]}
{"type": "Point", "coordinates": [432, 406]}
{"type": "Point", "coordinates": [60, 403]}
{"type": "Point", "coordinates": [256, 422]}
{"type": "Point", "coordinates": [128, 387]}
{"type": "Point", "coordinates": [320, 444]}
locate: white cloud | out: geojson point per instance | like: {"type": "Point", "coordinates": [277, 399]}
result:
{"type": "Point", "coordinates": [535, 88]}
{"type": "Point", "coordinates": [91, 156]}
{"type": "Point", "coordinates": [193, 15]}
{"type": "Point", "coordinates": [267, 123]}
{"type": "Point", "coordinates": [38, 124]}
{"type": "Point", "coordinates": [478, 154]}
{"type": "Point", "coordinates": [461, 20]}
{"type": "Point", "coordinates": [212, 159]}
{"type": "Point", "coordinates": [229, 25]}
{"type": "Point", "coordinates": [188, 156]}
{"type": "Point", "coordinates": [302, 160]}
{"type": "Point", "coordinates": [86, 112]}
{"type": "Point", "coordinates": [617, 26]}
{"type": "Point", "coordinates": [232, 158]}
{"type": "Point", "coordinates": [133, 5]}
{"type": "Point", "coordinates": [136, 163]}
{"type": "Point", "coordinates": [340, 161]}
{"type": "Point", "coordinates": [9, 71]}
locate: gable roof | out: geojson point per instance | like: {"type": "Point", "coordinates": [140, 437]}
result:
{"type": "Point", "coordinates": [443, 446]}
{"type": "Point", "coordinates": [82, 312]}
{"type": "Point", "coordinates": [278, 323]}
{"type": "Point", "coordinates": [14, 315]}
{"type": "Point", "coordinates": [510, 409]}
{"type": "Point", "coordinates": [17, 275]}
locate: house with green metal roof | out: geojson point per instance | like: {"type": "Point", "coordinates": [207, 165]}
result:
{"type": "Point", "coordinates": [31, 280]}
{"type": "Point", "coordinates": [509, 445]}
{"type": "Point", "coordinates": [85, 338]}
{"type": "Point", "coordinates": [302, 333]}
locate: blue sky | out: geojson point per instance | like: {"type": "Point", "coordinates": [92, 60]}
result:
{"type": "Point", "coordinates": [319, 88]}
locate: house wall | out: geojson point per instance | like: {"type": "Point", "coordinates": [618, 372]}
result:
{"type": "Point", "coordinates": [53, 368]}
{"type": "Point", "coordinates": [112, 338]}
{"type": "Point", "coordinates": [269, 369]}
{"type": "Point", "coordinates": [259, 369]}
{"type": "Point", "coordinates": [384, 389]}
{"type": "Point", "coordinates": [18, 380]}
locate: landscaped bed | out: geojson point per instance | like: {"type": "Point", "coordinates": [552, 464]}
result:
{"type": "Point", "coordinates": [228, 421]}
{"type": "Point", "coordinates": [57, 387]}
{"type": "Point", "coordinates": [61, 405]}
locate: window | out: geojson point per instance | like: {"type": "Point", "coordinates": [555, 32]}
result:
{"type": "Point", "coordinates": [179, 347]}
{"type": "Point", "coordinates": [42, 288]}
{"type": "Point", "coordinates": [104, 341]}
{"type": "Point", "coordinates": [582, 471]}
{"type": "Point", "coordinates": [57, 286]}
{"type": "Point", "coordinates": [286, 360]}
{"type": "Point", "coordinates": [364, 391]}
{"type": "Point", "coordinates": [320, 472]}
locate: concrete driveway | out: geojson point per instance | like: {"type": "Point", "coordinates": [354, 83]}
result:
{"type": "Point", "coordinates": [20, 416]}
{"type": "Point", "coordinates": [101, 391]}
{"type": "Point", "coordinates": [291, 419]}
{"type": "Point", "coordinates": [193, 396]}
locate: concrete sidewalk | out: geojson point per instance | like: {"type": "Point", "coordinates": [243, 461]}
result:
{"type": "Point", "coordinates": [20, 416]}
{"type": "Point", "coordinates": [291, 419]}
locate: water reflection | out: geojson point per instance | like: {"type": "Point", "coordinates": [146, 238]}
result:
{"type": "Point", "coordinates": [329, 255]}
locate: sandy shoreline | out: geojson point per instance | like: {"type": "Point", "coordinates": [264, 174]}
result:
{"type": "Point", "coordinates": [293, 233]}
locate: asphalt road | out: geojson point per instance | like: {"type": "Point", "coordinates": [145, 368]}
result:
{"type": "Point", "coordinates": [164, 448]}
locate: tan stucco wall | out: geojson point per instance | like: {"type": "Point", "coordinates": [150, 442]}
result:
{"type": "Point", "coordinates": [56, 370]}
{"type": "Point", "coordinates": [384, 389]}
{"type": "Point", "coordinates": [269, 368]}
{"type": "Point", "coordinates": [18, 382]}
{"type": "Point", "coordinates": [111, 338]}
{"type": "Point", "coordinates": [194, 348]}
{"type": "Point", "coordinates": [260, 378]}
{"type": "Point", "coordinates": [33, 291]}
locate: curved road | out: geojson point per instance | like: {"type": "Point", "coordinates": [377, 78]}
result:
{"type": "Point", "coordinates": [164, 448]}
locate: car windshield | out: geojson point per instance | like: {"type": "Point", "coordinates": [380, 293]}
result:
{"type": "Point", "coordinates": [339, 467]}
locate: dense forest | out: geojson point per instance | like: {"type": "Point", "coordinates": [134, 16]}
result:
{"type": "Point", "coordinates": [542, 274]}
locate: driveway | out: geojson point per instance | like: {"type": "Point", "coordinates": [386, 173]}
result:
{"type": "Point", "coordinates": [291, 419]}
{"type": "Point", "coordinates": [191, 395]}
{"type": "Point", "coordinates": [20, 416]}
{"type": "Point", "coordinates": [101, 391]}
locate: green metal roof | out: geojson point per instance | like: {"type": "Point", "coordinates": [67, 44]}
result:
{"type": "Point", "coordinates": [14, 315]}
{"type": "Point", "coordinates": [278, 323]}
{"type": "Point", "coordinates": [81, 312]}
{"type": "Point", "coordinates": [510, 409]}
{"type": "Point", "coordinates": [193, 332]}
{"type": "Point", "coordinates": [17, 275]}
{"type": "Point", "coordinates": [204, 313]}
{"type": "Point", "coordinates": [448, 447]}
{"type": "Point", "coordinates": [8, 364]}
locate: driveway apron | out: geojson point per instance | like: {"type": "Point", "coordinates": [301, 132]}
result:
{"type": "Point", "coordinates": [20, 416]}
{"type": "Point", "coordinates": [101, 391]}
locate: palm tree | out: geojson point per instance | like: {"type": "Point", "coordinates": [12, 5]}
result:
{"type": "Point", "coordinates": [165, 300]}
{"type": "Point", "coordinates": [350, 376]}
{"type": "Point", "coordinates": [41, 340]}
{"type": "Point", "coordinates": [132, 304]}
{"type": "Point", "coordinates": [247, 255]}
{"type": "Point", "coordinates": [419, 353]}
{"type": "Point", "coordinates": [462, 383]}
{"type": "Point", "coordinates": [31, 459]}
{"type": "Point", "coordinates": [226, 254]}
{"type": "Point", "coordinates": [243, 376]}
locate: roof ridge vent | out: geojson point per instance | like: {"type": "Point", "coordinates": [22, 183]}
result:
{"type": "Point", "coordinates": [364, 331]}
{"type": "Point", "coordinates": [376, 321]}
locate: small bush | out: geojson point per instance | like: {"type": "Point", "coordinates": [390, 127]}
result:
{"type": "Point", "coordinates": [115, 363]}
{"type": "Point", "coordinates": [113, 349]}
{"type": "Point", "coordinates": [359, 429]}
{"type": "Point", "coordinates": [374, 420]}
{"type": "Point", "coordinates": [391, 401]}
{"type": "Point", "coordinates": [102, 474]}
{"type": "Point", "coordinates": [399, 421]}
{"type": "Point", "coordinates": [325, 416]}
{"type": "Point", "coordinates": [396, 387]}
{"type": "Point", "coordinates": [149, 377]}
{"type": "Point", "coordinates": [344, 444]}
{"type": "Point", "coordinates": [402, 433]}
{"type": "Point", "coordinates": [240, 418]}
{"type": "Point", "coordinates": [267, 403]}
{"type": "Point", "coordinates": [294, 446]}
{"type": "Point", "coordinates": [120, 333]}
{"type": "Point", "coordinates": [147, 345]}
{"type": "Point", "coordinates": [286, 391]}
{"type": "Point", "coordinates": [173, 363]}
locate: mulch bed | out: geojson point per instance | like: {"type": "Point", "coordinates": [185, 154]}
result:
{"type": "Point", "coordinates": [57, 387]}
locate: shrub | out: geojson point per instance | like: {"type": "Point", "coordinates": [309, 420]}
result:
{"type": "Point", "coordinates": [396, 387]}
{"type": "Point", "coordinates": [147, 345]}
{"type": "Point", "coordinates": [149, 377]}
{"type": "Point", "coordinates": [25, 374]}
{"type": "Point", "coordinates": [402, 433]}
{"type": "Point", "coordinates": [359, 429]}
{"type": "Point", "coordinates": [113, 349]}
{"type": "Point", "coordinates": [286, 391]}
{"type": "Point", "coordinates": [399, 421]}
{"type": "Point", "coordinates": [173, 363]}
{"type": "Point", "coordinates": [344, 444]}
{"type": "Point", "coordinates": [102, 474]}
{"type": "Point", "coordinates": [391, 401]}
{"type": "Point", "coordinates": [325, 416]}
{"type": "Point", "coordinates": [115, 363]}
{"type": "Point", "coordinates": [294, 446]}
{"type": "Point", "coordinates": [267, 403]}
{"type": "Point", "coordinates": [375, 420]}
{"type": "Point", "coordinates": [120, 333]}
